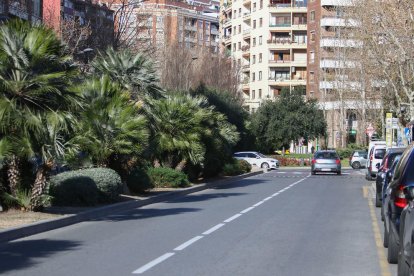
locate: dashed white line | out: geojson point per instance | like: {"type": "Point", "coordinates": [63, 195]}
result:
{"type": "Point", "coordinates": [247, 210]}
{"type": "Point", "coordinates": [153, 263]}
{"type": "Point", "coordinates": [214, 228]}
{"type": "Point", "coordinates": [275, 194]}
{"type": "Point", "coordinates": [258, 203]}
{"type": "Point", "coordinates": [266, 199]}
{"type": "Point", "coordinates": [187, 243]}
{"type": "Point", "coordinates": [233, 218]}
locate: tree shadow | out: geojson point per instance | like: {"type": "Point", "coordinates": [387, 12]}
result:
{"type": "Point", "coordinates": [241, 183]}
{"type": "Point", "coordinates": [203, 197]}
{"type": "Point", "coordinates": [146, 213]}
{"type": "Point", "coordinates": [24, 254]}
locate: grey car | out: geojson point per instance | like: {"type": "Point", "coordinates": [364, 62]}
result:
{"type": "Point", "coordinates": [326, 161]}
{"type": "Point", "coordinates": [358, 159]}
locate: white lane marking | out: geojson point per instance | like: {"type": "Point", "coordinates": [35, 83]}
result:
{"type": "Point", "coordinates": [258, 203]}
{"type": "Point", "coordinates": [214, 228]}
{"type": "Point", "coordinates": [281, 172]}
{"type": "Point", "coordinates": [345, 173]}
{"type": "Point", "coordinates": [266, 199]}
{"type": "Point", "coordinates": [153, 263]}
{"type": "Point", "coordinates": [275, 194]}
{"type": "Point", "coordinates": [188, 243]}
{"type": "Point", "coordinates": [247, 210]}
{"type": "Point", "coordinates": [297, 173]}
{"type": "Point", "coordinates": [233, 218]}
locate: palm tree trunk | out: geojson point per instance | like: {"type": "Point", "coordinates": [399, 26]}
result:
{"type": "Point", "coordinates": [39, 186]}
{"type": "Point", "coordinates": [13, 174]}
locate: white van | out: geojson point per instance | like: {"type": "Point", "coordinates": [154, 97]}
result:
{"type": "Point", "coordinates": [375, 155]}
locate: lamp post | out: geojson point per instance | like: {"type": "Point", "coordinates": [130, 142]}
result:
{"type": "Point", "coordinates": [187, 72]}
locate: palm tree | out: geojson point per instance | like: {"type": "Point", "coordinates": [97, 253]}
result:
{"type": "Point", "coordinates": [111, 124]}
{"type": "Point", "coordinates": [35, 102]}
{"type": "Point", "coordinates": [135, 73]}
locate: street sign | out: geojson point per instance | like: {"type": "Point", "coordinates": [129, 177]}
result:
{"type": "Point", "coordinates": [394, 123]}
{"type": "Point", "coordinates": [388, 130]}
{"type": "Point", "coordinates": [370, 130]}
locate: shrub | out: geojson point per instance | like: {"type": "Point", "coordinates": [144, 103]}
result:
{"type": "Point", "coordinates": [82, 183]}
{"type": "Point", "coordinates": [346, 152]}
{"type": "Point", "coordinates": [138, 181]}
{"type": "Point", "coordinates": [67, 189]}
{"type": "Point", "coordinates": [245, 166]}
{"type": "Point", "coordinates": [167, 178]}
{"type": "Point", "coordinates": [231, 169]}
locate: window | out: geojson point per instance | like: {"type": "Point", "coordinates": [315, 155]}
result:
{"type": "Point", "coordinates": [234, 30]}
{"type": "Point", "coordinates": [239, 29]}
{"type": "Point", "coordinates": [253, 94]}
{"type": "Point", "coordinates": [261, 22]}
{"type": "Point", "coordinates": [253, 76]}
{"type": "Point", "coordinates": [239, 46]}
{"type": "Point", "coordinates": [260, 76]}
{"type": "Point", "coordinates": [311, 76]}
{"type": "Point", "coordinates": [260, 40]}
{"type": "Point", "coordinates": [312, 16]}
{"type": "Point", "coordinates": [240, 13]}
{"type": "Point", "coordinates": [254, 6]}
{"type": "Point", "coordinates": [254, 24]}
{"type": "Point", "coordinates": [234, 14]}
{"type": "Point", "coordinates": [234, 47]}
{"type": "Point", "coordinates": [312, 57]}
{"type": "Point", "coordinates": [261, 4]}
{"type": "Point", "coordinates": [254, 59]}
{"type": "Point", "coordinates": [254, 42]}
{"type": "Point", "coordinates": [312, 36]}
{"type": "Point", "coordinates": [260, 58]}
{"type": "Point", "coordinates": [253, 110]}
{"type": "Point", "coordinates": [239, 62]}
{"type": "Point", "coordinates": [260, 93]}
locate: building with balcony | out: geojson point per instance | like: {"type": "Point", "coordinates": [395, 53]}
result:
{"type": "Point", "coordinates": [268, 40]}
{"type": "Point", "coordinates": [194, 24]}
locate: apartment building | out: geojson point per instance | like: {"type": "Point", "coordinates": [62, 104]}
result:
{"type": "Point", "coordinates": [268, 40]}
{"type": "Point", "coordinates": [26, 10]}
{"type": "Point", "coordinates": [331, 73]}
{"type": "Point", "coordinates": [190, 24]}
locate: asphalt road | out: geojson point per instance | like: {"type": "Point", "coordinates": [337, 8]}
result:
{"type": "Point", "coordinates": [285, 222]}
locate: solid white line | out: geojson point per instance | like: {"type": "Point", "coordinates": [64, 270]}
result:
{"type": "Point", "coordinates": [233, 218]}
{"type": "Point", "coordinates": [247, 210]}
{"type": "Point", "coordinates": [153, 263]}
{"type": "Point", "coordinates": [266, 199]}
{"type": "Point", "coordinates": [275, 194]}
{"type": "Point", "coordinates": [187, 243]}
{"type": "Point", "coordinates": [281, 172]}
{"type": "Point", "coordinates": [258, 203]}
{"type": "Point", "coordinates": [212, 229]}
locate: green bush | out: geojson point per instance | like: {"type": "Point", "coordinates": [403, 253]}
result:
{"type": "Point", "coordinates": [138, 181]}
{"type": "Point", "coordinates": [167, 178]}
{"type": "Point", "coordinates": [81, 186]}
{"type": "Point", "coordinates": [346, 152]}
{"type": "Point", "coordinates": [67, 189]}
{"type": "Point", "coordinates": [231, 169]}
{"type": "Point", "coordinates": [245, 166]}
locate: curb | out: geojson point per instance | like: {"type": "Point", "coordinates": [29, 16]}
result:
{"type": "Point", "coordinates": [47, 225]}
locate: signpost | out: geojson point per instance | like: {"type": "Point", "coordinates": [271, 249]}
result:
{"type": "Point", "coordinates": [388, 129]}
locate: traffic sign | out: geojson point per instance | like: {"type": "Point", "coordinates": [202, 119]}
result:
{"type": "Point", "coordinates": [370, 130]}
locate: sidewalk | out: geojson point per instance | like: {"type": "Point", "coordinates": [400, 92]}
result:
{"type": "Point", "coordinates": [79, 215]}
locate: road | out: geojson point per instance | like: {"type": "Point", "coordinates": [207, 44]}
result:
{"type": "Point", "coordinates": [284, 222]}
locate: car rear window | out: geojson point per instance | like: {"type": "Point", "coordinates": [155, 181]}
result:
{"type": "Point", "coordinates": [379, 153]}
{"type": "Point", "coordinates": [326, 155]}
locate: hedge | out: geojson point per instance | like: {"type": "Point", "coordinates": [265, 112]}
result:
{"type": "Point", "coordinates": [167, 178]}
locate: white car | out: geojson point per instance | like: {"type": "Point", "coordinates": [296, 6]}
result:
{"type": "Point", "coordinates": [257, 159]}
{"type": "Point", "coordinates": [375, 156]}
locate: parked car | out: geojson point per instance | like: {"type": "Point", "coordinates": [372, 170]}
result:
{"type": "Point", "coordinates": [387, 179]}
{"type": "Point", "coordinates": [403, 176]}
{"type": "Point", "coordinates": [257, 159]}
{"type": "Point", "coordinates": [375, 157]}
{"type": "Point", "coordinates": [385, 165]}
{"type": "Point", "coordinates": [326, 161]}
{"type": "Point", "coordinates": [358, 159]}
{"type": "Point", "coordinates": [406, 250]}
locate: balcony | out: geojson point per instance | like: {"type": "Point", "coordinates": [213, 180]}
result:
{"type": "Point", "coordinates": [227, 40]}
{"type": "Point", "coordinates": [214, 32]}
{"type": "Point", "coordinates": [299, 27]}
{"type": "Point", "coordinates": [246, 32]}
{"type": "Point", "coordinates": [339, 85]}
{"type": "Point", "coordinates": [281, 26]}
{"type": "Point", "coordinates": [336, 3]}
{"type": "Point", "coordinates": [247, 15]}
{"type": "Point", "coordinates": [280, 81]}
{"type": "Point", "coordinates": [246, 67]}
{"type": "Point", "coordinates": [338, 43]}
{"type": "Point", "coordinates": [191, 28]}
{"type": "Point", "coordinates": [279, 63]}
{"type": "Point", "coordinates": [227, 23]}
{"type": "Point", "coordinates": [18, 10]}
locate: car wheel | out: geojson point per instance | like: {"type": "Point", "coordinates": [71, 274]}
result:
{"type": "Point", "coordinates": [382, 212]}
{"type": "Point", "coordinates": [338, 173]}
{"type": "Point", "coordinates": [265, 166]}
{"type": "Point", "coordinates": [403, 269]}
{"type": "Point", "coordinates": [385, 242]}
{"type": "Point", "coordinates": [392, 249]}
{"type": "Point", "coordinates": [356, 165]}
{"type": "Point", "coordinates": [378, 202]}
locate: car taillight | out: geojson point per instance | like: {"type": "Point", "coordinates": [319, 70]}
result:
{"type": "Point", "coordinates": [400, 200]}
{"type": "Point", "coordinates": [338, 161]}
{"type": "Point", "coordinates": [313, 161]}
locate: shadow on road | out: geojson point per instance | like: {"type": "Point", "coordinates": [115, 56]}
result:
{"type": "Point", "coordinates": [146, 213]}
{"type": "Point", "coordinates": [203, 197]}
{"type": "Point", "coordinates": [242, 183]}
{"type": "Point", "coordinates": [24, 254]}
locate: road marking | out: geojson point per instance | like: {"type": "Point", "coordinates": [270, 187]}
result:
{"type": "Point", "coordinates": [212, 229]}
{"type": "Point", "coordinates": [233, 218]}
{"type": "Point", "coordinates": [266, 199]}
{"type": "Point", "coordinates": [385, 269]}
{"type": "Point", "coordinates": [281, 172]}
{"type": "Point", "coordinates": [187, 243]}
{"type": "Point", "coordinates": [153, 263]}
{"type": "Point", "coordinates": [297, 173]}
{"type": "Point", "coordinates": [275, 194]}
{"type": "Point", "coordinates": [258, 203]}
{"type": "Point", "coordinates": [247, 210]}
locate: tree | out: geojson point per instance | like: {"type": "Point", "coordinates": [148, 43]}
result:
{"type": "Point", "coordinates": [35, 102]}
{"type": "Point", "coordinates": [135, 72]}
{"type": "Point", "coordinates": [110, 124]}
{"type": "Point", "coordinates": [290, 117]}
